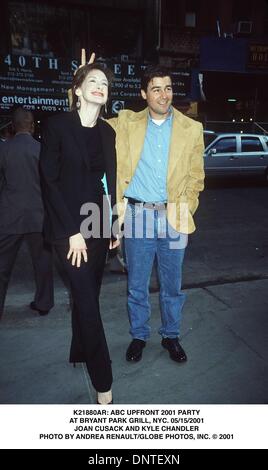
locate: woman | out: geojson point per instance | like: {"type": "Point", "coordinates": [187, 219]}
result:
{"type": "Point", "coordinates": [77, 149]}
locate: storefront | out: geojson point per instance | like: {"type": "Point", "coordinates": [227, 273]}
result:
{"type": "Point", "coordinates": [41, 50]}
{"type": "Point", "coordinates": [40, 84]}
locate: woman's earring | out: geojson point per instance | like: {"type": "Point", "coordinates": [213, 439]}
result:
{"type": "Point", "coordinates": [78, 104]}
{"type": "Point", "coordinates": [105, 108]}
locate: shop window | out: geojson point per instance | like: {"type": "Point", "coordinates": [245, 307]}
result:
{"type": "Point", "coordinates": [241, 10]}
{"type": "Point", "coordinates": [190, 19]}
{"type": "Point", "coordinates": [45, 30]}
{"type": "Point", "coordinates": [116, 34]}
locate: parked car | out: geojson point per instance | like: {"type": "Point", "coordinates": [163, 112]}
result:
{"type": "Point", "coordinates": [236, 154]}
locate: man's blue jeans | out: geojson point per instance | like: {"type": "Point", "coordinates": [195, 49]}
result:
{"type": "Point", "coordinates": [148, 234]}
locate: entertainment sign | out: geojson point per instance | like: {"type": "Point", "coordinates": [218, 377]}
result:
{"type": "Point", "coordinates": [41, 83]}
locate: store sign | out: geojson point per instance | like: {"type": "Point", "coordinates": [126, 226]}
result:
{"type": "Point", "coordinates": [127, 83]}
{"type": "Point", "coordinates": [258, 56]}
{"type": "Point", "coordinates": [41, 83]}
{"type": "Point", "coordinates": [181, 84]}
{"type": "Point", "coordinates": [37, 83]}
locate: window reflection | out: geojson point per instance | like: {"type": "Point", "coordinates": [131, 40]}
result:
{"type": "Point", "coordinates": [225, 145]}
{"type": "Point", "coordinates": [45, 30]}
{"type": "Point", "coordinates": [252, 144]}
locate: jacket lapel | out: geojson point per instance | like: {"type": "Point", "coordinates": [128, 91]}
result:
{"type": "Point", "coordinates": [136, 132]}
{"type": "Point", "coordinates": [179, 139]}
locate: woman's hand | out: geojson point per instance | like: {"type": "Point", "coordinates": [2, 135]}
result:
{"type": "Point", "coordinates": [77, 250]}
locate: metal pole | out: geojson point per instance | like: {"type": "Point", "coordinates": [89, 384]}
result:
{"type": "Point", "coordinates": [255, 103]}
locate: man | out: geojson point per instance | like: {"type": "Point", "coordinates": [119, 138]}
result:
{"type": "Point", "coordinates": [21, 211]}
{"type": "Point", "coordinates": [160, 173]}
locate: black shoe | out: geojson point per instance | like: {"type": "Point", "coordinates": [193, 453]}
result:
{"type": "Point", "coordinates": [41, 312]}
{"type": "Point", "coordinates": [174, 348]}
{"type": "Point", "coordinates": [134, 351]}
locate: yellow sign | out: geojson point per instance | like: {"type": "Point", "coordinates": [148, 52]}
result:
{"type": "Point", "coordinates": [258, 56]}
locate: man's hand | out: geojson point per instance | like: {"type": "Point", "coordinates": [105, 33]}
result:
{"type": "Point", "coordinates": [83, 59]}
{"type": "Point", "coordinates": [77, 250]}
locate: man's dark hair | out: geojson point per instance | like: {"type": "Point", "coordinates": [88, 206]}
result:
{"type": "Point", "coordinates": [81, 75]}
{"type": "Point", "coordinates": [151, 72]}
{"type": "Point", "coordinates": [22, 120]}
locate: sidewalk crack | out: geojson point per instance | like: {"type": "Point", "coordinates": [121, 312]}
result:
{"type": "Point", "coordinates": [216, 297]}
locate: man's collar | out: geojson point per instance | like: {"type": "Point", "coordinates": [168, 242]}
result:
{"type": "Point", "coordinates": [168, 118]}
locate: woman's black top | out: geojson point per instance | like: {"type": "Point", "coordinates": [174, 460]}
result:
{"type": "Point", "coordinates": [93, 143]}
{"type": "Point", "coordinates": [95, 168]}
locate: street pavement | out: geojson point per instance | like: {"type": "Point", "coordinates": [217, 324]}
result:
{"type": "Point", "coordinates": [224, 327]}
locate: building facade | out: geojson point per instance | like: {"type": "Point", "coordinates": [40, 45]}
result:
{"type": "Point", "coordinates": [216, 49]}
{"type": "Point", "coordinates": [225, 45]}
{"type": "Point", "coordinates": [41, 45]}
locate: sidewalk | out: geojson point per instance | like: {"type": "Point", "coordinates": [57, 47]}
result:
{"type": "Point", "coordinates": [224, 327]}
